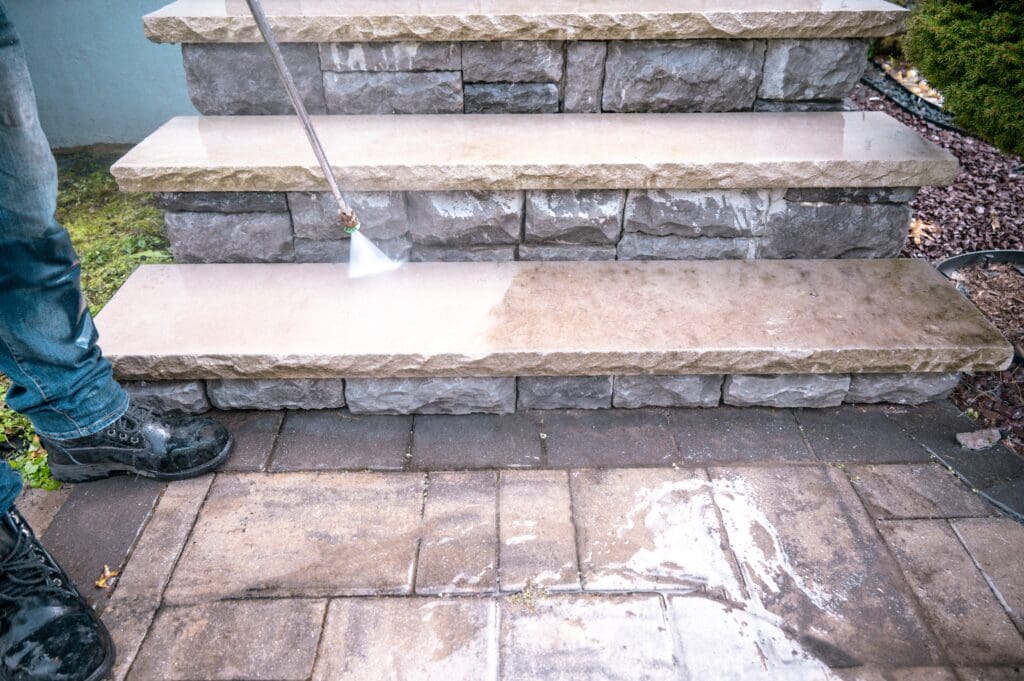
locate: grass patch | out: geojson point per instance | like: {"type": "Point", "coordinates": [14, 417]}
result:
{"type": "Point", "coordinates": [113, 233]}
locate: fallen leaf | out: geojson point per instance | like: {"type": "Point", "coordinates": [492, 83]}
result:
{"type": "Point", "coordinates": [104, 582]}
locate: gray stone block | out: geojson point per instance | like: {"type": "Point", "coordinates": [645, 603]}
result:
{"type": "Point", "coordinates": [424, 92]}
{"type": "Point", "coordinates": [169, 397]}
{"type": "Point", "coordinates": [277, 393]}
{"type": "Point", "coordinates": [222, 202]}
{"type": "Point", "coordinates": [569, 252]}
{"type": "Point", "coordinates": [682, 75]}
{"type": "Point", "coordinates": [584, 74]}
{"type": "Point", "coordinates": [689, 213]}
{"type": "Point", "coordinates": [812, 69]}
{"type": "Point", "coordinates": [786, 390]}
{"type": "Point", "coordinates": [565, 392]}
{"type": "Point", "coordinates": [822, 230]}
{"type": "Point", "coordinates": [431, 395]}
{"type": "Point", "coordinates": [852, 194]}
{"type": "Point", "coordinates": [901, 388]}
{"type": "Point", "coordinates": [401, 56]}
{"type": "Point", "coordinates": [582, 216]}
{"type": "Point", "coordinates": [633, 392]}
{"type": "Point", "coordinates": [240, 79]}
{"type": "Point", "coordinates": [471, 254]}
{"type": "Point", "coordinates": [512, 61]}
{"type": "Point", "coordinates": [511, 98]}
{"type": "Point", "coordinates": [826, 105]}
{"type": "Point", "coordinates": [321, 250]}
{"type": "Point", "coordinates": [315, 214]}
{"type": "Point", "coordinates": [636, 246]}
{"type": "Point", "coordinates": [235, 237]}
{"type": "Point", "coordinates": [465, 218]}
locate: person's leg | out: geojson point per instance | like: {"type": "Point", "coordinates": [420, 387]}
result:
{"type": "Point", "coordinates": [10, 487]}
{"type": "Point", "coordinates": [48, 349]}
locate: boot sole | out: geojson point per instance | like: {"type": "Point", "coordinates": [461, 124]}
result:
{"type": "Point", "coordinates": [97, 471]}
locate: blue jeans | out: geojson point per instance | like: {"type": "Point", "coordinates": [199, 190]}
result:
{"type": "Point", "coordinates": [48, 349]}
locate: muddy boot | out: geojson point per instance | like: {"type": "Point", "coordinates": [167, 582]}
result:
{"type": "Point", "coordinates": [142, 443]}
{"type": "Point", "coordinates": [47, 632]}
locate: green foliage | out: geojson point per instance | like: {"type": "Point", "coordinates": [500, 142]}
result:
{"type": "Point", "coordinates": [973, 52]}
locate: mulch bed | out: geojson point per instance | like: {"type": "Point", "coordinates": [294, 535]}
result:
{"type": "Point", "coordinates": [982, 210]}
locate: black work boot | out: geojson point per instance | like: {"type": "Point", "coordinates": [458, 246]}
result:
{"type": "Point", "coordinates": [47, 631]}
{"type": "Point", "coordinates": [142, 443]}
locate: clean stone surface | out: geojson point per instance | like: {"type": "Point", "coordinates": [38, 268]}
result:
{"type": "Point", "coordinates": [322, 250]}
{"type": "Point", "coordinates": [901, 388]}
{"type": "Point", "coordinates": [686, 75]}
{"type": "Point", "coordinates": [397, 56]}
{"type": "Point", "coordinates": [470, 254]}
{"type": "Point", "coordinates": [569, 151]}
{"type": "Point", "coordinates": [232, 640]}
{"type": "Point", "coordinates": [220, 237]}
{"type": "Point", "coordinates": [508, 319]}
{"type": "Point", "coordinates": [858, 435]}
{"type": "Point", "coordinates": [852, 194]}
{"type": "Point", "coordinates": [428, 639]}
{"type": "Point", "coordinates": [255, 434]}
{"type": "Point", "coordinates": [431, 395]}
{"type": "Point", "coordinates": [962, 609]}
{"type": "Point", "coordinates": [729, 435]}
{"type": "Point", "coordinates": [343, 20]}
{"type": "Point", "coordinates": [497, 61]}
{"type": "Point", "coordinates": [232, 80]}
{"type": "Point", "coordinates": [785, 390]}
{"type": "Point", "coordinates": [667, 391]}
{"type": "Point", "coordinates": [586, 637]}
{"type": "Point", "coordinates": [277, 393]}
{"type": "Point", "coordinates": [326, 440]}
{"type": "Point", "coordinates": [596, 439]}
{"type": "Point", "coordinates": [537, 537]}
{"type": "Point", "coordinates": [580, 216]}
{"type": "Point", "coordinates": [662, 212]}
{"type": "Point", "coordinates": [348, 533]}
{"type": "Point", "coordinates": [544, 252]}
{"type": "Point", "coordinates": [465, 218]}
{"type": "Point", "coordinates": [584, 76]}
{"type": "Point", "coordinates": [315, 215]}
{"type": "Point", "coordinates": [635, 246]}
{"type": "Point", "coordinates": [809, 230]}
{"type": "Point", "coordinates": [477, 441]}
{"type": "Point", "coordinates": [223, 202]}
{"type": "Point", "coordinates": [565, 392]}
{"type": "Point", "coordinates": [459, 547]}
{"type": "Point", "coordinates": [169, 397]}
{"type": "Point", "coordinates": [812, 69]}
{"type": "Point", "coordinates": [915, 491]}
{"type": "Point", "coordinates": [426, 92]}
{"type": "Point", "coordinates": [520, 98]}
{"type": "Point", "coordinates": [995, 544]}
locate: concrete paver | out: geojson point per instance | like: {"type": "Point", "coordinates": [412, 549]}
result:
{"type": "Point", "coordinates": [858, 435]}
{"type": "Point", "coordinates": [729, 434]}
{"type": "Point", "coordinates": [332, 440]}
{"type": "Point", "coordinates": [475, 441]}
{"type": "Point", "coordinates": [255, 433]}
{"type": "Point", "coordinates": [997, 546]}
{"type": "Point", "coordinates": [598, 439]}
{"type": "Point", "coordinates": [39, 507]}
{"type": "Point", "coordinates": [915, 491]}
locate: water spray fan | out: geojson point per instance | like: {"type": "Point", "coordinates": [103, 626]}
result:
{"type": "Point", "coordinates": [364, 258]}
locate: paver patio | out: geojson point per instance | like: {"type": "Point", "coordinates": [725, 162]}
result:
{"type": "Point", "coordinates": [738, 544]}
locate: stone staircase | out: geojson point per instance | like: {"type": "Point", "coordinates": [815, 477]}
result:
{"type": "Point", "coordinates": [643, 204]}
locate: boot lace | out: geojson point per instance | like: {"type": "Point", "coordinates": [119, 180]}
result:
{"type": "Point", "coordinates": [28, 570]}
{"type": "Point", "coordinates": [128, 428]}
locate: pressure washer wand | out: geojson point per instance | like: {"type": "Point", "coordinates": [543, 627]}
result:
{"type": "Point", "coordinates": [345, 213]}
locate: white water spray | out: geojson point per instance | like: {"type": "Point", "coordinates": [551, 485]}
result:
{"type": "Point", "coordinates": [365, 259]}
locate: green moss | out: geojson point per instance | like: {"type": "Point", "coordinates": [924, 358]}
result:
{"type": "Point", "coordinates": [973, 52]}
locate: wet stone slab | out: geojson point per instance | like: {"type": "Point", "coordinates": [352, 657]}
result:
{"type": "Point", "coordinates": [255, 433]}
{"type": "Point", "coordinates": [858, 435]}
{"type": "Point", "coordinates": [996, 545]}
{"type": "Point", "coordinates": [324, 440]}
{"type": "Point", "coordinates": [915, 491]}
{"type": "Point", "coordinates": [728, 434]}
{"type": "Point", "coordinates": [585, 439]}
{"type": "Point", "coordinates": [476, 441]}
{"type": "Point", "coordinates": [302, 534]}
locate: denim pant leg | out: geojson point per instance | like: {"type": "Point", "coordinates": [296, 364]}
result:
{"type": "Point", "coordinates": [10, 487]}
{"type": "Point", "coordinates": [48, 349]}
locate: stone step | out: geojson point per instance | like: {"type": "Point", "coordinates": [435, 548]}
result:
{"type": "Point", "coordinates": [454, 337]}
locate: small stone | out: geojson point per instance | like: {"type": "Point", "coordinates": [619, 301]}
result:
{"type": "Point", "coordinates": [465, 218]}
{"type": "Point", "coordinates": [574, 216]}
{"type": "Point", "coordinates": [822, 230]}
{"type": "Point", "coordinates": [632, 392]}
{"type": "Point", "coordinates": [240, 79]}
{"type": "Point", "coordinates": [315, 215]}
{"type": "Point", "coordinates": [901, 388]}
{"type": "Point", "coordinates": [277, 393]}
{"type": "Point", "coordinates": [431, 395]}
{"type": "Point", "coordinates": [427, 92]}
{"type": "Point", "coordinates": [169, 397]}
{"type": "Point", "coordinates": [812, 69]}
{"type": "Point", "coordinates": [474, 254]}
{"type": "Point", "coordinates": [565, 252]}
{"type": "Point", "coordinates": [565, 392]}
{"type": "Point", "coordinates": [511, 98]}
{"type": "Point", "coordinates": [512, 61]}
{"type": "Point", "coordinates": [852, 194]}
{"type": "Point", "coordinates": [786, 390]}
{"type": "Point", "coordinates": [584, 74]}
{"type": "Point", "coordinates": [689, 213]}
{"type": "Point", "coordinates": [979, 439]}
{"type": "Point", "coordinates": [636, 246]}
{"type": "Point", "coordinates": [222, 202]}
{"type": "Point", "coordinates": [321, 250]}
{"type": "Point", "coordinates": [682, 75]}
{"type": "Point", "coordinates": [223, 238]}
{"type": "Point", "coordinates": [402, 56]}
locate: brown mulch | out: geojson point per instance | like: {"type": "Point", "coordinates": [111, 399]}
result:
{"type": "Point", "coordinates": [982, 210]}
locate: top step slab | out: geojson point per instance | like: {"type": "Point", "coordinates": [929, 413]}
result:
{"type": "Point", "coordinates": [321, 21]}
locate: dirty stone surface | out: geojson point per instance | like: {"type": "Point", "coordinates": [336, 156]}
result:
{"type": "Point", "coordinates": [687, 543]}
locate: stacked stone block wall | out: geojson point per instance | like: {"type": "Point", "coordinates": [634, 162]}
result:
{"type": "Point", "coordinates": [635, 224]}
{"type": "Point", "coordinates": [529, 76]}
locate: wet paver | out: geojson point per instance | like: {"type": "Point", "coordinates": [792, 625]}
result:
{"type": "Point", "coordinates": [997, 547]}
{"type": "Point", "coordinates": [39, 507]}
{"type": "Point", "coordinates": [608, 438]}
{"type": "Point", "coordinates": [730, 434]}
{"type": "Point", "coordinates": [475, 441]}
{"type": "Point", "coordinates": [926, 490]}
{"type": "Point", "coordinates": [858, 435]}
{"type": "Point", "coordinates": [255, 433]}
{"type": "Point", "coordinates": [334, 440]}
